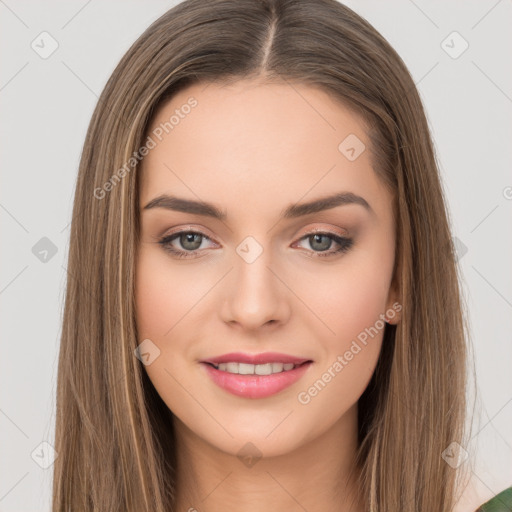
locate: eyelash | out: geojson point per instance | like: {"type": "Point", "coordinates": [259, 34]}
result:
{"type": "Point", "coordinates": [344, 243]}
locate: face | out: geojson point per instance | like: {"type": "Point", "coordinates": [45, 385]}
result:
{"type": "Point", "coordinates": [266, 275]}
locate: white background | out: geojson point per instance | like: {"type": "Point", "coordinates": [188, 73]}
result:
{"type": "Point", "coordinates": [45, 108]}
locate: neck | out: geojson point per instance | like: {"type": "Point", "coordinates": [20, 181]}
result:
{"type": "Point", "coordinates": [318, 475]}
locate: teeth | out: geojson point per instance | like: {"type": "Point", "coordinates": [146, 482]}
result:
{"type": "Point", "coordinates": [255, 369]}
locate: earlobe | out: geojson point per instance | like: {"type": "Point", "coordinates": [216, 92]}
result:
{"type": "Point", "coordinates": [393, 315]}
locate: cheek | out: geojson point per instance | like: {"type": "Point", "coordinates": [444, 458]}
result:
{"type": "Point", "coordinates": [161, 306]}
{"type": "Point", "coordinates": [163, 295]}
{"type": "Point", "coordinates": [154, 302]}
{"type": "Point", "coordinates": [162, 301]}
{"type": "Point", "coordinates": [349, 302]}
{"type": "Point", "coordinates": [350, 307]}
{"type": "Point", "coordinates": [168, 298]}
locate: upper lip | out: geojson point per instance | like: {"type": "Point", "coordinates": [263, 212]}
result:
{"type": "Point", "coordinates": [265, 357]}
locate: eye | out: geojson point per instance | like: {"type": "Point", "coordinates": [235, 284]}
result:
{"type": "Point", "coordinates": [191, 241]}
{"type": "Point", "coordinates": [323, 242]}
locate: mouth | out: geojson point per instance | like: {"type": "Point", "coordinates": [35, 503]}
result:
{"type": "Point", "coordinates": [255, 380]}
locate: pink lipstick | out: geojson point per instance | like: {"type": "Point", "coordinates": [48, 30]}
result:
{"type": "Point", "coordinates": [255, 375]}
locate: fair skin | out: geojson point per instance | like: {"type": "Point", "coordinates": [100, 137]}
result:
{"type": "Point", "coordinates": [253, 149]}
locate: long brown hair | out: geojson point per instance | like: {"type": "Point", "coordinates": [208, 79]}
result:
{"type": "Point", "coordinates": [114, 436]}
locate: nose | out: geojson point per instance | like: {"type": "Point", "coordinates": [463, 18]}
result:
{"type": "Point", "coordinates": [256, 295]}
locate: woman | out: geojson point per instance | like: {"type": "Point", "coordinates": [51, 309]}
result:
{"type": "Point", "coordinates": [263, 309]}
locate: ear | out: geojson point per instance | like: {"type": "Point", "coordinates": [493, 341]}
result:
{"type": "Point", "coordinates": [393, 305]}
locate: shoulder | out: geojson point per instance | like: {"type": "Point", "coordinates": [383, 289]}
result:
{"type": "Point", "coordinates": [502, 502]}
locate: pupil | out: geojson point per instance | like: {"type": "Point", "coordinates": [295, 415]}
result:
{"type": "Point", "coordinates": [323, 246]}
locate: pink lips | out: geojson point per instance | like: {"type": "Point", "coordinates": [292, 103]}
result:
{"type": "Point", "coordinates": [255, 386]}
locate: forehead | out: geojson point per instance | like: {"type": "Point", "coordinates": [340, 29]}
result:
{"type": "Point", "coordinates": [249, 145]}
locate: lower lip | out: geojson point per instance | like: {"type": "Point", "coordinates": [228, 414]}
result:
{"type": "Point", "coordinates": [255, 386]}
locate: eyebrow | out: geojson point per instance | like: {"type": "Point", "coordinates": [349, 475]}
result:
{"type": "Point", "coordinates": [292, 211]}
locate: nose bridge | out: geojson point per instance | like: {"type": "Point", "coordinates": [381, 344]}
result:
{"type": "Point", "coordinates": [257, 296]}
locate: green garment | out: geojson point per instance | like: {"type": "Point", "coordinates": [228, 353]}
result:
{"type": "Point", "coordinates": [502, 502]}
